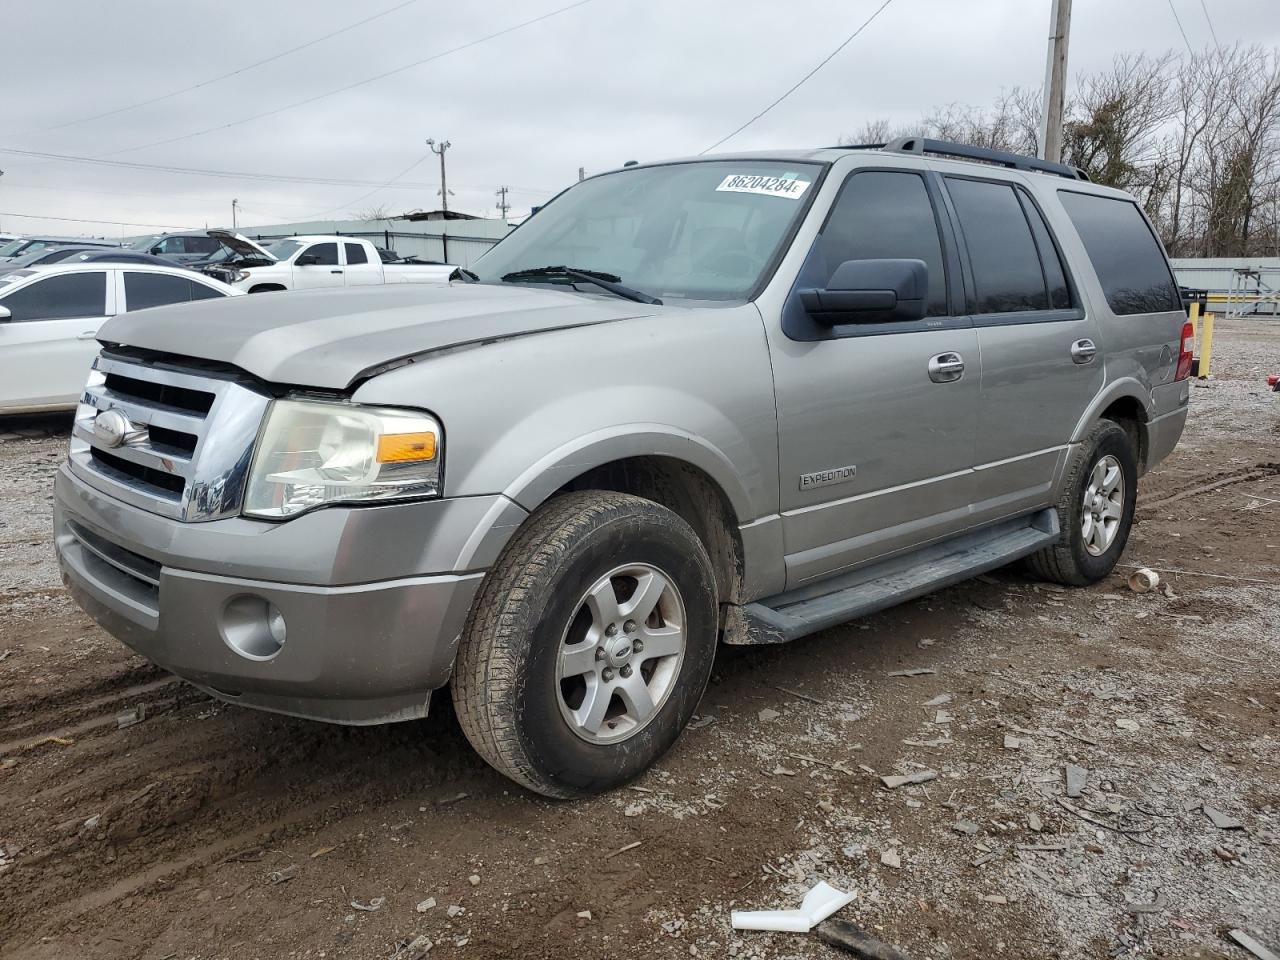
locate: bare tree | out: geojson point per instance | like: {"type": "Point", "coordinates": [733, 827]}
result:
{"type": "Point", "coordinates": [378, 212]}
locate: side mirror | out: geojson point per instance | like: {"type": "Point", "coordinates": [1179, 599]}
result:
{"type": "Point", "coordinates": [871, 291]}
{"type": "Point", "coordinates": [5, 314]}
{"type": "Point", "coordinates": [155, 251]}
{"type": "Point", "coordinates": [306, 260]}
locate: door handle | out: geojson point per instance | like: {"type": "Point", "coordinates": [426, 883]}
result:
{"type": "Point", "coordinates": [1082, 351]}
{"type": "Point", "coordinates": [946, 367]}
{"type": "Point", "coordinates": [335, 271]}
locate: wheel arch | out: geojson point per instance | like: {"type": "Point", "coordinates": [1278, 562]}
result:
{"type": "Point", "coordinates": [683, 473]}
{"type": "Point", "coordinates": [1127, 403]}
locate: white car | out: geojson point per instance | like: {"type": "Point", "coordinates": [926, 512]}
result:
{"type": "Point", "coordinates": [314, 263]}
{"type": "Point", "coordinates": [49, 319]}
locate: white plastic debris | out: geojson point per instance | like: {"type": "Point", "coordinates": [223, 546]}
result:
{"type": "Point", "coordinates": [1143, 580]}
{"type": "Point", "coordinates": [818, 904]}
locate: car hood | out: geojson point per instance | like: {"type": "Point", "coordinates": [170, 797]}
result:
{"type": "Point", "coordinates": [334, 338]}
{"type": "Point", "coordinates": [241, 245]}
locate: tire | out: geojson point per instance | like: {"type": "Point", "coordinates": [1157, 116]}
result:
{"type": "Point", "coordinates": [1073, 560]}
{"type": "Point", "coordinates": [516, 690]}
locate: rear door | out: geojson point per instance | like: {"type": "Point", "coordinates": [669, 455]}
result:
{"type": "Point", "coordinates": [325, 271]}
{"type": "Point", "coordinates": [48, 344]}
{"type": "Point", "coordinates": [360, 271]}
{"type": "Point", "coordinates": [875, 453]}
{"type": "Point", "coordinates": [1041, 362]}
{"type": "Point", "coordinates": [143, 289]}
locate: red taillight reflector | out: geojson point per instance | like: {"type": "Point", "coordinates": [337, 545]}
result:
{"type": "Point", "coordinates": [1187, 351]}
{"type": "Point", "coordinates": [1272, 381]}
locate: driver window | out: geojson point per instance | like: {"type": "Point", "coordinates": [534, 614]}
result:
{"type": "Point", "coordinates": [885, 215]}
{"type": "Point", "coordinates": [326, 254]}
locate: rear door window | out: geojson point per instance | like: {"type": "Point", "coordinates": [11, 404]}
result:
{"type": "Point", "coordinates": [1126, 256]}
{"type": "Point", "coordinates": [143, 290]}
{"type": "Point", "coordinates": [355, 254]}
{"type": "Point", "coordinates": [60, 298]}
{"type": "Point", "coordinates": [1002, 254]}
{"type": "Point", "coordinates": [885, 215]}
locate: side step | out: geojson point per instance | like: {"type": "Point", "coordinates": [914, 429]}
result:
{"type": "Point", "coordinates": [808, 609]}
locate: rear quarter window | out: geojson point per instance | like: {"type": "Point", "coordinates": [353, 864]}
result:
{"type": "Point", "coordinates": [1131, 268]}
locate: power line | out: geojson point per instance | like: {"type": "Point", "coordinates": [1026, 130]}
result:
{"type": "Point", "coordinates": [359, 83]}
{"type": "Point", "coordinates": [1209, 20]}
{"type": "Point", "coordinates": [117, 223]}
{"type": "Point", "coordinates": [198, 171]}
{"type": "Point", "coordinates": [1178, 20]}
{"type": "Point", "coordinates": [365, 196]}
{"type": "Point", "coordinates": [233, 73]}
{"type": "Point", "coordinates": [847, 40]}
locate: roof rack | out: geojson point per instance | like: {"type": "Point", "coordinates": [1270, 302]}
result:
{"type": "Point", "coordinates": [963, 151]}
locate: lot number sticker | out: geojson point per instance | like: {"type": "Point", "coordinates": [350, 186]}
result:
{"type": "Point", "coordinates": [769, 186]}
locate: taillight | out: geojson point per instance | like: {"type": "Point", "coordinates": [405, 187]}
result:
{"type": "Point", "coordinates": [1187, 352]}
{"type": "Point", "coordinates": [1273, 382]}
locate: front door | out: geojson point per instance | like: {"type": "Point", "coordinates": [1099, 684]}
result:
{"type": "Point", "coordinates": [49, 341]}
{"type": "Point", "coordinates": [322, 267]}
{"type": "Point", "coordinates": [876, 421]}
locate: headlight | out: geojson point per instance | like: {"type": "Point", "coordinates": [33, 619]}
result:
{"type": "Point", "coordinates": [238, 275]}
{"type": "Point", "coordinates": [313, 453]}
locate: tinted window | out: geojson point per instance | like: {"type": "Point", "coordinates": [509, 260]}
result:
{"type": "Point", "coordinates": [1055, 276]}
{"type": "Point", "coordinates": [326, 254]}
{"type": "Point", "coordinates": [882, 215]}
{"type": "Point", "coordinates": [200, 292]}
{"type": "Point", "coordinates": [355, 254]}
{"type": "Point", "coordinates": [1126, 257]}
{"type": "Point", "coordinates": [1002, 255]}
{"type": "Point", "coordinates": [61, 297]}
{"type": "Point", "coordinates": [201, 244]}
{"type": "Point", "coordinates": [143, 290]}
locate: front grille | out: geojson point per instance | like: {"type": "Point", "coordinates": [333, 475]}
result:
{"type": "Point", "coordinates": [190, 435]}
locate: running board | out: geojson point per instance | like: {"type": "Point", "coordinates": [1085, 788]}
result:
{"type": "Point", "coordinates": [808, 609]}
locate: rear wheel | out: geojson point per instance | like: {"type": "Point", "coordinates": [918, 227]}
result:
{"type": "Point", "coordinates": [1095, 509]}
{"type": "Point", "coordinates": [589, 645]}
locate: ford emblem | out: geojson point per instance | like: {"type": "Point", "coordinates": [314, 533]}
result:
{"type": "Point", "coordinates": [112, 428]}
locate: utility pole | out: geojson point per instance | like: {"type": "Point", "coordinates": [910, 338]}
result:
{"type": "Point", "coordinates": [444, 187]}
{"type": "Point", "coordinates": [582, 174]}
{"type": "Point", "coordinates": [502, 204]}
{"type": "Point", "coordinates": [234, 205]}
{"type": "Point", "coordinates": [1055, 81]}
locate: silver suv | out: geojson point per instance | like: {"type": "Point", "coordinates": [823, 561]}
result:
{"type": "Point", "coordinates": [737, 399]}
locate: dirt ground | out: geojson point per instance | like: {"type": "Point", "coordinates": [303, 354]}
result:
{"type": "Point", "coordinates": [209, 831]}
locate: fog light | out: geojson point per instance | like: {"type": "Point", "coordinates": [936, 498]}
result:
{"type": "Point", "coordinates": [253, 627]}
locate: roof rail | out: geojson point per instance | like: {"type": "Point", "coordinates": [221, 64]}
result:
{"type": "Point", "coordinates": [963, 151]}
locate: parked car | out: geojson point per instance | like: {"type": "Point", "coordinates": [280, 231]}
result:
{"type": "Point", "coordinates": [44, 256]}
{"type": "Point", "coordinates": [390, 256]}
{"type": "Point", "coordinates": [314, 262]}
{"type": "Point", "coordinates": [49, 320]}
{"type": "Point", "coordinates": [178, 247]}
{"type": "Point", "coordinates": [739, 397]}
{"type": "Point", "coordinates": [123, 256]}
{"type": "Point", "coordinates": [24, 245]}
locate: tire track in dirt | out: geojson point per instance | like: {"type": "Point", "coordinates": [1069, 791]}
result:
{"type": "Point", "coordinates": [1213, 481]}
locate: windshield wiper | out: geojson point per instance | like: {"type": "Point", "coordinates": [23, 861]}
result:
{"type": "Point", "coordinates": [606, 281]}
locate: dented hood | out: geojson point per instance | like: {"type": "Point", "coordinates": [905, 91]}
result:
{"type": "Point", "coordinates": [333, 338]}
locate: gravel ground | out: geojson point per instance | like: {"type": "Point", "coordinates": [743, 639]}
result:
{"type": "Point", "coordinates": [161, 839]}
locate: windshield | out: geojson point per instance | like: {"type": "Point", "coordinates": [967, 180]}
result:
{"type": "Point", "coordinates": [282, 249]}
{"type": "Point", "coordinates": [145, 243]}
{"type": "Point", "coordinates": [701, 230]}
{"type": "Point", "coordinates": [8, 249]}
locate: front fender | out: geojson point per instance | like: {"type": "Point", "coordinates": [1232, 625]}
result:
{"type": "Point", "coordinates": [552, 471]}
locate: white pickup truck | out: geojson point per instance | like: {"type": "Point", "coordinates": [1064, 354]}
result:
{"type": "Point", "coordinates": [311, 263]}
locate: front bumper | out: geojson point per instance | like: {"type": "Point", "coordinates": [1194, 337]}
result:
{"type": "Point", "coordinates": [370, 631]}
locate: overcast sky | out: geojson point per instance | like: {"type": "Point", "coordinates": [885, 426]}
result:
{"type": "Point", "coordinates": [606, 82]}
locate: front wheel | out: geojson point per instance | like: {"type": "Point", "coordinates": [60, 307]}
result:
{"type": "Point", "coordinates": [589, 644]}
{"type": "Point", "coordinates": [1095, 509]}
